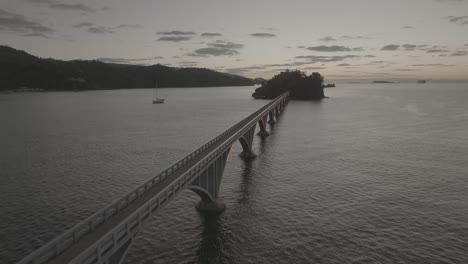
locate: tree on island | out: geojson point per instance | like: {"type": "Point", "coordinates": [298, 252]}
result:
{"type": "Point", "coordinates": [301, 86]}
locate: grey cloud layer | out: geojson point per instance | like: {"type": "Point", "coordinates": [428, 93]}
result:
{"type": "Point", "coordinates": [54, 4]}
{"type": "Point", "coordinates": [208, 34]}
{"type": "Point", "coordinates": [129, 26]}
{"type": "Point", "coordinates": [354, 37]}
{"type": "Point", "coordinates": [177, 33]}
{"type": "Point", "coordinates": [217, 48]}
{"type": "Point", "coordinates": [77, 7]}
{"type": "Point", "coordinates": [460, 20]}
{"type": "Point", "coordinates": [100, 30]}
{"type": "Point", "coordinates": [174, 38]}
{"type": "Point", "coordinates": [128, 61]}
{"type": "Point", "coordinates": [333, 48]}
{"type": "Point", "coordinates": [263, 35]}
{"type": "Point", "coordinates": [390, 47]}
{"type": "Point", "coordinates": [226, 45]}
{"type": "Point", "coordinates": [203, 52]}
{"type": "Point", "coordinates": [17, 23]}
{"type": "Point", "coordinates": [412, 47]}
{"type": "Point", "coordinates": [315, 59]}
{"type": "Point", "coordinates": [96, 29]}
{"type": "Point", "coordinates": [328, 39]}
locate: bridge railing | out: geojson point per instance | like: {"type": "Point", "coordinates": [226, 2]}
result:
{"type": "Point", "coordinates": [73, 235]}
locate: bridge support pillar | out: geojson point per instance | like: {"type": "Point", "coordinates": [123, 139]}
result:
{"type": "Point", "coordinates": [277, 111]}
{"type": "Point", "coordinates": [214, 206]}
{"type": "Point", "coordinates": [262, 124]}
{"type": "Point", "coordinates": [271, 117]}
{"type": "Point", "coordinates": [207, 185]}
{"type": "Point", "coordinates": [246, 141]}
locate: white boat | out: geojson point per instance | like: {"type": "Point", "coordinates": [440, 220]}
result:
{"type": "Point", "coordinates": [157, 100]}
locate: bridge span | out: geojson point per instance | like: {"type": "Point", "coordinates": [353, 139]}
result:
{"type": "Point", "coordinates": [105, 236]}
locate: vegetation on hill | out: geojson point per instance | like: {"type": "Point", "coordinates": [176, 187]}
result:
{"type": "Point", "coordinates": [300, 85]}
{"type": "Point", "coordinates": [19, 69]}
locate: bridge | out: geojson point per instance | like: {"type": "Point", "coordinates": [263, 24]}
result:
{"type": "Point", "coordinates": [106, 236]}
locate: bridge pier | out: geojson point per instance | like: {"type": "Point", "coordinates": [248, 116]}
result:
{"type": "Point", "coordinates": [277, 112]}
{"type": "Point", "coordinates": [246, 141]}
{"type": "Point", "coordinates": [271, 117]}
{"type": "Point", "coordinates": [207, 185]}
{"type": "Point", "coordinates": [262, 124]}
{"type": "Point", "coordinates": [215, 206]}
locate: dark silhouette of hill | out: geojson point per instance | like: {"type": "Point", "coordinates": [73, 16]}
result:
{"type": "Point", "coordinates": [301, 86]}
{"type": "Point", "coordinates": [19, 69]}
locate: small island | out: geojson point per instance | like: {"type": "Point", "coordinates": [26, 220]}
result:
{"type": "Point", "coordinates": [300, 85]}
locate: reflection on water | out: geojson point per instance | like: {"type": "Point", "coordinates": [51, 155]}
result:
{"type": "Point", "coordinates": [212, 239]}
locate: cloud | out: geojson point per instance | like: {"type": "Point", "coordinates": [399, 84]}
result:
{"type": "Point", "coordinates": [315, 59]}
{"type": "Point", "coordinates": [293, 64]}
{"type": "Point", "coordinates": [432, 65]}
{"type": "Point", "coordinates": [11, 22]}
{"type": "Point", "coordinates": [460, 20]}
{"type": "Point", "coordinates": [435, 50]}
{"type": "Point", "coordinates": [75, 7]}
{"type": "Point", "coordinates": [37, 34]}
{"type": "Point", "coordinates": [209, 34]}
{"type": "Point", "coordinates": [354, 37]}
{"type": "Point", "coordinates": [129, 26]}
{"type": "Point", "coordinates": [344, 64]}
{"type": "Point", "coordinates": [333, 48]}
{"type": "Point", "coordinates": [313, 68]}
{"type": "Point", "coordinates": [55, 4]}
{"type": "Point", "coordinates": [212, 51]}
{"type": "Point", "coordinates": [177, 33]}
{"type": "Point", "coordinates": [263, 35]}
{"type": "Point", "coordinates": [459, 53]}
{"type": "Point", "coordinates": [41, 1]}
{"type": "Point", "coordinates": [100, 30]}
{"type": "Point", "coordinates": [466, 45]}
{"type": "Point", "coordinates": [226, 45]}
{"type": "Point", "coordinates": [327, 39]}
{"type": "Point", "coordinates": [128, 61]}
{"type": "Point", "coordinates": [96, 29]}
{"type": "Point", "coordinates": [411, 47]}
{"type": "Point", "coordinates": [405, 70]}
{"type": "Point", "coordinates": [408, 27]}
{"type": "Point", "coordinates": [83, 25]}
{"type": "Point", "coordinates": [175, 38]}
{"type": "Point", "coordinates": [390, 47]}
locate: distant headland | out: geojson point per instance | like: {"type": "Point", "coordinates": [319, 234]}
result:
{"type": "Point", "coordinates": [22, 71]}
{"type": "Point", "coordinates": [300, 85]}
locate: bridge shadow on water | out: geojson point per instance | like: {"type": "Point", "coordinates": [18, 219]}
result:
{"type": "Point", "coordinates": [213, 240]}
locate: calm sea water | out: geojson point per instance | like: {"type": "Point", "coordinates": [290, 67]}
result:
{"type": "Point", "coordinates": [377, 173]}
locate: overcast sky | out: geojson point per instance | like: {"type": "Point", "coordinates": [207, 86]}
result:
{"type": "Point", "coordinates": [342, 39]}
